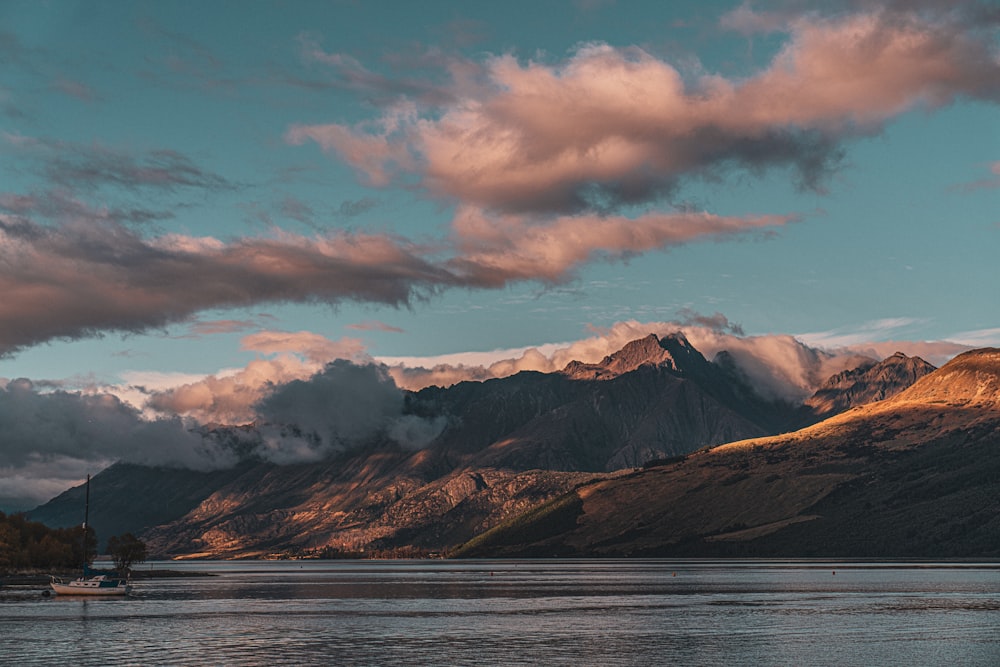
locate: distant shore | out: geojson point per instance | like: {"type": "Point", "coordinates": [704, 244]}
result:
{"type": "Point", "coordinates": [41, 578]}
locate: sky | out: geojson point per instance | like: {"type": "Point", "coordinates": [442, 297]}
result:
{"type": "Point", "coordinates": [205, 205]}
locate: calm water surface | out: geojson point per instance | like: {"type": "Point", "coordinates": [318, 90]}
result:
{"type": "Point", "coordinates": [576, 612]}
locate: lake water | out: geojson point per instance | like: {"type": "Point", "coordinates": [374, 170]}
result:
{"type": "Point", "coordinates": [558, 612]}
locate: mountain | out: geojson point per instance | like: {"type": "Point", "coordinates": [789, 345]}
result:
{"type": "Point", "coordinates": [654, 398]}
{"type": "Point", "coordinates": [917, 474]}
{"type": "Point", "coordinates": [510, 445]}
{"type": "Point", "coordinates": [865, 384]}
{"type": "Point", "coordinates": [132, 498]}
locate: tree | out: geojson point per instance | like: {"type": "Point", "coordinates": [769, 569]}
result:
{"type": "Point", "coordinates": [126, 550]}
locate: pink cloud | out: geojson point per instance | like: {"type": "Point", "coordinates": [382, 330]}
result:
{"type": "Point", "coordinates": [374, 325]}
{"type": "Point", "coordinates": [374, 153]}
{"type": "Point", "coordinates": [612, 126]}
{"type": "Point", "coordinates": [210, 327]}
{"type": "Point", "coordinates": [232, 397]}
{"type": "Point", "coordinates": [312, 346]}
{"type": "Point", "coordinates": [495, 250]}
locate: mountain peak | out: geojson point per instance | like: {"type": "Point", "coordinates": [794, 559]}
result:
{"type": "Point", "coordinates": [868, 383]}
{"type": "Point", "coordinates": [648, 351]}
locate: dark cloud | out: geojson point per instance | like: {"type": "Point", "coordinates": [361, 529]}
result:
{"type": "Point", "coordinates": [716, 322]}
{"type": "Point", "coordinates": [352, 208]}
{"type": "Point", "coordinates": [89, 167]}
{"type": "Point", "coordinates": [297, 209]}
{"type": "Point", "coordinates": [49, 435]}
{"type": "Point", "coordinates": [60, 205]}
{"type": "Point", "coordinates": [376, 88]}
{"type": "Point", "coordinates": [343, 407]}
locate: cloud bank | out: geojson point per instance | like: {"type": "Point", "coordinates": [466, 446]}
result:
{"type": "Point", "coordinates": [52, 439]}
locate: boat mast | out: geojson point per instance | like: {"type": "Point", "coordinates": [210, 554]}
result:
{"type": "Point", "coordinates": [86, 520]}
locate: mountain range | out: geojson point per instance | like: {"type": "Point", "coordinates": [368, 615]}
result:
{"type": "Point", "coordinates": [914, 475]}
{"type": "Point", "coordinates": [626, 456]}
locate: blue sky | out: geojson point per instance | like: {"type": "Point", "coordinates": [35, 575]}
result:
{"type": "Point", "coordinates": [188, 188]}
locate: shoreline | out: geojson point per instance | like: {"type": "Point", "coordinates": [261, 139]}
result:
{"type": "Point", "coordinates": [26, 578]}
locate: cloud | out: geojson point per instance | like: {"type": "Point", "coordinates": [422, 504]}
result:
{"type": "Point", "coordinates": [353, 208]}
{"type": "Point", "coordinates": [857, 334]}
{"type": "Point", "coordinates": [612, 126]}
{"type": "Point", "coordinates": [211, 327]}
{"type": "Point", "coordinates": [76, 279]}
{"type": "Point", "coordinates": [748, 21]}
{"type": "Point", "coordinates": [296, 209]}
{"type": "Point", "coordinates": [59, 204]}
{"type": "Point", "coordinates": [978, 338]}
{"type": "Point", "coordinates": [988, 183]}
{"type": "Point", "coordinates": [54, 436]}
{"type": "Point", "coordinates": [376, 88]}
{"type": "Point", "coordinates": [883, 337]}
{"type": "Point", "coordinates": [715, 322]}
{"type": "Point", "coordinates": [780, 366]}
{"type": "Point", "coordinates": [304, 410]}
{"type": "Point", "coordinates": [231, 397]}
{"type": "Point", "coordinates": [342, 407]}
{"type": "Point", "coordinates": [76, 89]}
{"type": "Point", "coordinates": [496, 250]}
{"type": "Point", "coordinates": [91, 166]}
{"type": "Point", "coordinates": [311, 346]}
{"type": "Point", "coordinates": [937, 353]}
{"type": "Point", "coordinates": [374, 325]}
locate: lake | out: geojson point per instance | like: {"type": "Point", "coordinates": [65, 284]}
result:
{"type": "Point", "coordinates": [523, 612]}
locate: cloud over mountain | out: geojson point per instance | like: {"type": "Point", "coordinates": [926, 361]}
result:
{"type": "Point", "coordinates": [52, 438]}
{"type": "Point", "coordinates": [779, 366]}
{"type": "Point", "coordinates": [339, 408]}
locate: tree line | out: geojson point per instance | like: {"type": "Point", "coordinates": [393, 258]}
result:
{"type": "Point", "coordinates": [26, 544]}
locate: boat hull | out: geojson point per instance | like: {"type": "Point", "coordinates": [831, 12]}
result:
{"type": "Point", "coordinates": [90, 587]}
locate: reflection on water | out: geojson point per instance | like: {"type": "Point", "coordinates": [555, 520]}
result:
{"type": "Point", "coordinates": [583, 612]}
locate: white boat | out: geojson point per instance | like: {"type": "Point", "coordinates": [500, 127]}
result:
{"type": "Point", "coordinates": [93, 582]}
{"type": "Point", "coordinates": [100, 584]}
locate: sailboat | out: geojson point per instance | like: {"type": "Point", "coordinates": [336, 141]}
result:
{"type": "Point", "coordinates": [93, 582]}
